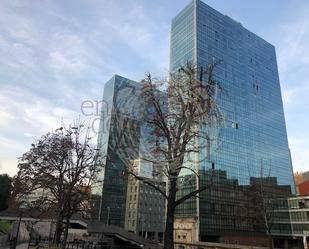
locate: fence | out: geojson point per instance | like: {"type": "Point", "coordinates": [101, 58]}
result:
{"type": "Point", "coordinates": [81, 245]}
{"type": "Point", "coordinates": [4, 240]}
{"type": "Point", "coordinates": [209, 245]}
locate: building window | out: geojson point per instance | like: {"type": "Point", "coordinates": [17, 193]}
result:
{"type": "Point", "coordinates": [235, 125]}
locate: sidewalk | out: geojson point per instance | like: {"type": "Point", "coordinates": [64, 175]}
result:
{"type": "Point", "coordinates": [20, 246]}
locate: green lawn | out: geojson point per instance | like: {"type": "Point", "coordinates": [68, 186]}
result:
{"type": "Point", "coordinates": [5, 226]}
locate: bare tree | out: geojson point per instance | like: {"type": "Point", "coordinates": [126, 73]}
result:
{"type": "Point", "coordinates": [263, 191]}
{"type": "Point", "coordinates": [180, 112]}
{"type": "Point", "coordinates": [62, 164]}
{"type": "Point", "coordinates": [262, 207]}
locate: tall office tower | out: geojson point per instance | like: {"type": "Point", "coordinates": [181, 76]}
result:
{"type": "Point", "coordinates": [124, 138]}
{"type": "Point", "coordinates": [251, 147]}
{"type": "Point", "coordinates": [118, 142]}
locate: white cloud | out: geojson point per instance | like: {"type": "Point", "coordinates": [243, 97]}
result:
{"type": "Point", "coordinates": [26, 134]}
{"type": "Point", "coordinates": [10, 151]}
{"type": "Point", "coordinates": [67, 52]}
{"type": "Point", "coordinates": [33, 116]}
{"type": "Point", "coordinates": [300, 153]}
{"type": "Point", "coordinates": [293, 61]}
{"type": "Point", "coordinates": [287, 95]}
{"type": "Point", "coordinates": [63, 62]}
{"type": "Point", "coordinates": [10, 144]}
{"type": "Point", "coordinates": [5, 117]}
{"type": "Point", "coordinates": [8, 165]}
{"type": "Point", "coordinates": [51, 60]}
{"type": "Point", "coordinates": [293, 46]}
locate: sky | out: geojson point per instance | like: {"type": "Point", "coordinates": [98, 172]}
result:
{"type": "Point", "coordinates": [55, 55]}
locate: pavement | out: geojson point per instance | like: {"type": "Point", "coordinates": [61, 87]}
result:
{"type": "Point", "coordinates": [19, 246]}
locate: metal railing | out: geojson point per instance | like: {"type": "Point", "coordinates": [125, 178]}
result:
{"type": "Point", "coordinates": [4, 240]}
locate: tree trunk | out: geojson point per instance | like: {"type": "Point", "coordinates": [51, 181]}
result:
{"type": "Point", "coordinates": [170, 213]}
{"type": "Point", "coordinates": [58, 232]}
{"type": "Point", "coordinates": [65, 236]}
{"type": "Point", "coordinates": [270, 241]}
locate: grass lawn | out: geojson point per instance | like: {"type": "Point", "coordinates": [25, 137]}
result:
{"type": "Point", "coordinates": [5, 226]}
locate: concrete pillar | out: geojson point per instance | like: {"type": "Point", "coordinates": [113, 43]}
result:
{"type": "Point", "coordinates": [286, 244]}
{"type": "Point", "coordinates": [305, 242]}
{"type": "Point", "coordinates": [156, 236]}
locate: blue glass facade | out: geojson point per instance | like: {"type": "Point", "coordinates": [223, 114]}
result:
{"type": "Point", "coordinates": [124, 136]}
{"type": "Point", "coordinates": [119, 142]}
{"type": "Point", "coordinates": [253, 140]}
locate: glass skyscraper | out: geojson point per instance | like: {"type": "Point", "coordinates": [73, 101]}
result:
{"type": "Point", "coordinates": [248, 157]}
{"type": "Point", "coordinates": [251, 147]}
{"type": "Point", "coordinates": [124, 138]}
{"type": "Point", "coordinates": [119, 144]}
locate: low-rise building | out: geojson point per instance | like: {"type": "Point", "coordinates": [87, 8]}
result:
{"type": "Point", "coordinates": [302, 182]}
{"type": "Point", "coordinates": [185, 229]}
{"type": "Point", "coordinates": [290, 222]}
{"type": "Point", "coordinates": [145, 209]}
{"type": "Point", "coordinates": [303, 188]}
